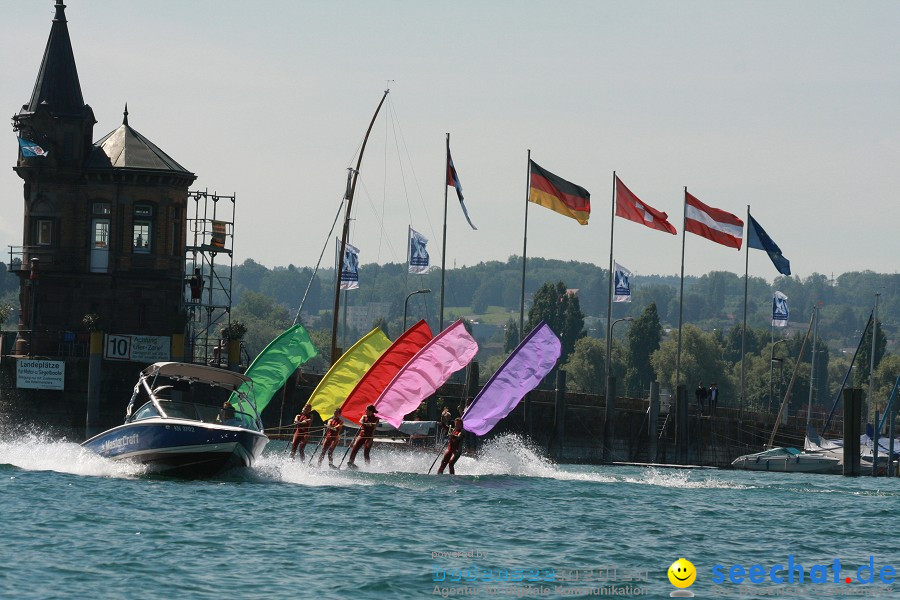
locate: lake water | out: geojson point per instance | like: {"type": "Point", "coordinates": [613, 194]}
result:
{"type": "Point", "coordinates": [78, 526]}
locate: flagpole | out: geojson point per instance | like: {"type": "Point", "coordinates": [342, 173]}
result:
{"type": "Point", "coordinates": [612, 223]}
{"type": "Point", "coordinates": [744, 328]}
{"type": "Point", "coordinates": [444, 246]}
{"type": "Point", "coordinates": [524, 248]}
{"type": "Point", "coordinates": [681, 291]}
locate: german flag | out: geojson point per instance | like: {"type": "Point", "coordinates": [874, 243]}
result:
{"type": "Point", "coordinates": [559, 195]}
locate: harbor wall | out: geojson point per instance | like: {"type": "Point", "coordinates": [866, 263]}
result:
{"type": "Point", "coordinates": [712, 440]}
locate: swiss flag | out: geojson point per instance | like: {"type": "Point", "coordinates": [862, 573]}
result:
{"type": "Point", "coordinates": [712, 223]}
{"type": "Point", "coordinates": [631, 207]}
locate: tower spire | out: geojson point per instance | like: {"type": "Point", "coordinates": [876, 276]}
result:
{"type": "Point", "coordinates": [57, 83]}
{"type": "Point", "coordinates": [60, 11]}
{"type": "Point", "coordinates": [125, 115]}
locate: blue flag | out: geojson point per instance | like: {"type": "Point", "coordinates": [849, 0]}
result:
{"type": "Point", "coordinates": [759, 239]}
{"type": "Point", "coordinates": [30, 149]}
{"type": "Point", "coordinates": [453, 179]}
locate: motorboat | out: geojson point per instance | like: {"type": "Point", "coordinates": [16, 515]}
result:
{"type": "Point", "coordinates": [789, 460]}
{"type": "Point", "coordinates": [192, 421]}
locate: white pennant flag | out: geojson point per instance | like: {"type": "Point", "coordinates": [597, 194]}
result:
{"type": "Point", "coordinates": [622, 284]}
{"type": "Point", "coordinates": [779, 310]}
{"type": "Point", "coordinates": [350, 269]}
{"type": "Point", "coordinates": [417, 255]}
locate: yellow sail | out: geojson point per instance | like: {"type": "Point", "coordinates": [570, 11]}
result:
{"type": "Point", "coordinates": [343, 375]}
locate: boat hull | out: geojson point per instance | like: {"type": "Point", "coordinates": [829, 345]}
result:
{"type": "Point", "coordinates": [801, 463]}
{"type": "Point", "coordinates": [180, 448]}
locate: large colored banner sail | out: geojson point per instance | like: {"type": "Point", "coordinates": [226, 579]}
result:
{"type": "Point", "coordinates": [447, 353]}
{"type": "Point", "coordinates": [272, 367]}
{"type": "Point", "coordinates": [522, 371]}
{"type": "Point", "coordinates": [343, 375]}
{"type": "Point", "coordinates": [382, 372]}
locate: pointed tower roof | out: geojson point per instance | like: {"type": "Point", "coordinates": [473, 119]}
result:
{"type": "Point", "coordinates": [57, 83]}
{"type": "Point", "coordinates": [125, 148]}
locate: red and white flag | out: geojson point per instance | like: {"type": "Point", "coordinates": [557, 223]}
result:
{"type": "Point", "coordinates": [629, 206]}
{"type": "Point", "coordinates": [713, 224]}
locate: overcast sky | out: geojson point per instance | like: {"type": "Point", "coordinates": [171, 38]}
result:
{"type": "Point", "coordinates": [790, 107]}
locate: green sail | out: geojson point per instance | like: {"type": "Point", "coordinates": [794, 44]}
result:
{"type": "Point", "coordinates": [271, 369]}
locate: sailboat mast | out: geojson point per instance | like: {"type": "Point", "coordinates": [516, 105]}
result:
{"type": "Point", "coordinates": [812, 366]}
{"type": "Point", "coordinates": [351, 190]}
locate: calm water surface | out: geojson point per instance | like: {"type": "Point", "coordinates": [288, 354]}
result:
{"type": "Point", "coordinates": [78, 526]}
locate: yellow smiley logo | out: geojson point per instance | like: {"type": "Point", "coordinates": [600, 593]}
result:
{"type": "Point", "coordinates": [682, 573]}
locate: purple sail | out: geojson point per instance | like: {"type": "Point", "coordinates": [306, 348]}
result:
{"type": "Point", "coordinates": [522, 371]}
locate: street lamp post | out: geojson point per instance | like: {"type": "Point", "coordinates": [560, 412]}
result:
{"type": "Point", "coordinates": [406, 303]}
{"type": "Point", "coordinates": [772, 360]}
{"type": "Point", "coordinates": [609, 349]}
{"type": "Point", "coordinates": [610, 403]}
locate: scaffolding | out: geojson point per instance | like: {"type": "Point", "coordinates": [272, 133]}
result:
{"type": "Point", "coordinates": [208, 265]}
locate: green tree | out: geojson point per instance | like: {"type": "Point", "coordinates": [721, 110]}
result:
{"type": "Point", "coordinates": [885, 376]}
{"type": "Point", "coordinates": [489, 292]}
{"type": "Point", "coordinates": [585, 366]}
{"type": "Point", "coordinates": [321, 339]}
{"type": "Point", "coordinates": [754, 341]}
{"type": "Point", "coordinates": [511, 335]}
{"type": "Point", "coordinates": [382, 324]}
{"type": "Point", "coordinates": [643, 340]}
{"type": "Point", "coordinates": [701, 360]}
{"type": "Point", "coordinates": [466, 322]}
{"type": "Point", "coordinates": [489, 366]}
{"type": "Point", "coordinates": [264, 318]}
{"type": "Point", "coordinates": [561, 311]}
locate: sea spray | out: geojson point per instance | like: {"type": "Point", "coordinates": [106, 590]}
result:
{"type": "Point", "coordinates": [35, 451]}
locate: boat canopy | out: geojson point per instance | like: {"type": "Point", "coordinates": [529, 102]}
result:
{"type": "Point", "coordinates": [197, 373]}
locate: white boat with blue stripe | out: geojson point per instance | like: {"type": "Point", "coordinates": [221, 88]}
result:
{"type": "Point", "coordinates": [191, 421]}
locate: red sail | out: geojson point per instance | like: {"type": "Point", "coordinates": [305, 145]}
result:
{"type": "Point", "coordinates": [382, 372]}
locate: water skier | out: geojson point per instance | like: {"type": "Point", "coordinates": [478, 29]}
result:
{"type": "Point", "coordinates": [333, 429]}
{"type": "Point", "coordinates": [366, 435]}
{"type": "Point", "coordinates": [301, 434]}
{"type": "Point", "coordinates": [454, 447]}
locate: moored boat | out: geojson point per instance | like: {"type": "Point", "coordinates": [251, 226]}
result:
{"type": "Point", "coordinates": [191, 421]}
{"type": "Point", "coordinates": [788, 460]}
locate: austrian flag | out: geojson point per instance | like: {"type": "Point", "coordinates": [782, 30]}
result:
{"type": "Point", "coordinates": [713, 224]}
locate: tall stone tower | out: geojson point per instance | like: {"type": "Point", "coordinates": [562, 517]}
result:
{"type": "Point", "coordinates": [104, 226]}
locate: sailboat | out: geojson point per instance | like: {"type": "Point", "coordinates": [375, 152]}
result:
{"type": "Point", "coordinates": [815, 443]}
{"type": "Point", "coordinates": [786, 459]}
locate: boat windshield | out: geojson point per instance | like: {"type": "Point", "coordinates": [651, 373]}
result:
{"type": "Point", "coordinates": [207, 414]}
{"type": "Point", "coordinates": [145, 412]}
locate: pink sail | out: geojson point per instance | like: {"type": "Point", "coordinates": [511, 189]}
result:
{"type": "Point", "coordinates": [447, 353]}
{"type": "Point", "coordinates": [522, 371]}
